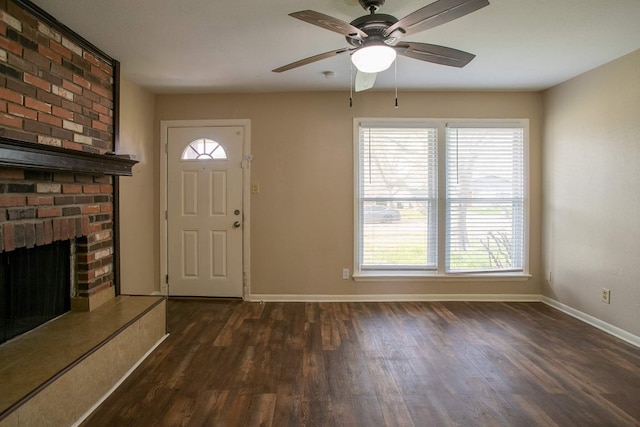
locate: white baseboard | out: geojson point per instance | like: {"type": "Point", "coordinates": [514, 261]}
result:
{"type": "Point", "coordinates": [116, 385]}
{"type": "Point", "coordinates": [393, 298]}
{"type": "Point", "coordinates": [593, 321]}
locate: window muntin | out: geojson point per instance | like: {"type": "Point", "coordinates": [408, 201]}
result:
{"type": "Point", "coordinates": [204, 149]}
{"type": "Point", "coordinates": [481, 221]}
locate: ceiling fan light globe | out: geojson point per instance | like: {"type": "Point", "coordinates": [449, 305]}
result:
{"type": "Point", "coordinates": [373, 59]}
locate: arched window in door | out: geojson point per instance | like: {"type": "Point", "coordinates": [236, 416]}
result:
{"type": "Point", "coordinates": [204, 149]}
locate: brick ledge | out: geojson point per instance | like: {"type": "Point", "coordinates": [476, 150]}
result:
{"type": "Point", "coordinates": [63, 350]}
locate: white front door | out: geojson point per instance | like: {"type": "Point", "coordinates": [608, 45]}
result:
{"type": "Point", "coordinates": [204, 211]}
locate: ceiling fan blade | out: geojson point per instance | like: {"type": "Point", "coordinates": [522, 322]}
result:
{"type": "Point", "coordinates": [364, 81]}
{"type": "Point", "coordinates": [311, 59]}
{"type": "Point", "coordinates": [434, 53]}
{"type": "Point", "coordinates": [330, 23]}
{"type": "Point", "coordinates": [432, 15]}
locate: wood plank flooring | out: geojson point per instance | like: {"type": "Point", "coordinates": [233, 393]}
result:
{"type": "Point", "coordinates": [231, 363]}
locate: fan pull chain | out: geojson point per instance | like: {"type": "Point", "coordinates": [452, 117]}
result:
{"type": "Point", "coordinates": [457, 160]}
{"type": "Point", "coordinates": [395, 68]}
{"type": "Point", "coordinates": [351, 83]}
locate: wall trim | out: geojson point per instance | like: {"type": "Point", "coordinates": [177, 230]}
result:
{"type": "Point", "coordinates": [393, 297]}
{"type": "Point", "coordinates": [593, 321]}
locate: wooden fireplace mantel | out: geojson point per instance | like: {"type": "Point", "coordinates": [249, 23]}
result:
{"type": "Point", "coordinates": [29, 155]}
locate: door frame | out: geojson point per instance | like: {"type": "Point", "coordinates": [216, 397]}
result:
{"type": "Point", "coordinates": [246, 194]}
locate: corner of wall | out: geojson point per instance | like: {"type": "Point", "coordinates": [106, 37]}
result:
{"type": "Point", "coordinates": [140, 270]}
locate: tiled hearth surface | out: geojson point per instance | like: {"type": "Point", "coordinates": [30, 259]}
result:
{"type": "Point", "coordinates": [34, 358]}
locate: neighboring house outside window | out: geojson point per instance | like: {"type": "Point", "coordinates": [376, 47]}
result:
{"type": "Point", "coordinates": [440, 197]}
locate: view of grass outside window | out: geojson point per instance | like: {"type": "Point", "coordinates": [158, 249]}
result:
{"type": "Point", "coordinates": [482, 213]}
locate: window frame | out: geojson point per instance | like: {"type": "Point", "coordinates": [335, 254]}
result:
{"type": "Point", "coordinates": [439, 272]}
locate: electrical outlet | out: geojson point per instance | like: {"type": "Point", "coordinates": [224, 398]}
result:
{"type": "Point", "coordinates": [255, 188]}
{"type": "Point", "coordinates": [345, 274]}
{"type": "Point", "coordinates": [606, 296]}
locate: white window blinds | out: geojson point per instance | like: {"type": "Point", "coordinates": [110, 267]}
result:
{"type": "Point", "coordinates": [397, 197]}
{"type": "Point", "coordinates": [484, 199]}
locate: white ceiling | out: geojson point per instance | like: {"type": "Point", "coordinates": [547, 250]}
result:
{"type": "Point", "coordinates": [206, 46]}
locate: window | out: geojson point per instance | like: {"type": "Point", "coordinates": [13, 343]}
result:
{"type": "Point", "coordinates": [204, 149]}
{"type": "Point", "coordinates": [398, 197]}
{"type": "Point", "coordinates": [485, 199]}
{"type": "Point", "coordinates": [439, 198]}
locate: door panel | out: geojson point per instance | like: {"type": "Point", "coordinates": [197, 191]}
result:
{"type": "Point", "coordinates": [189, 193]}
{"type": "Point", "coordinates": [204, 192]}
{"type": "Point", "coordinates": [218, 194]}
{"type": "Point", "coordinates": [190, 253]}
{"type": "Point", "coordinates": [218, 260]}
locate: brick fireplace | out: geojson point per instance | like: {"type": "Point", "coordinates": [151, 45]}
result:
{"type": "Point", "coordinates": [59, 178]}
{"type": "Point", "coordinates": [59, 92]}
{"type": "Point", "coordinates": [38, 208]}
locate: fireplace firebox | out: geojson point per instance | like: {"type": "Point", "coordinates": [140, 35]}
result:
{"type": "Point", "coordinates": [35, 287]}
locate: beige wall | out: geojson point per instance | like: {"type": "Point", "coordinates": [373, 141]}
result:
{"type": "Point", "coordinates": [302, 220]}
{"type": "Point", "coordinates": [139, 224]}
{"type": "Point", "coordinates": [591, 192]}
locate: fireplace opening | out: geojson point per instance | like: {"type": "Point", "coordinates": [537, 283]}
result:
{"type": "Point", "coordinates": [35, 287]}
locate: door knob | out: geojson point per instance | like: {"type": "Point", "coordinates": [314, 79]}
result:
{"type": "Point", "coordinates": [236, 224]}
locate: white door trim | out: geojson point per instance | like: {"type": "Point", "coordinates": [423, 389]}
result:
{"type": "Point", "coordinates": [246, 194]}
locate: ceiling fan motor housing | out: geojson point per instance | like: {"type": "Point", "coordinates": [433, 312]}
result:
{"type": "Point", "coordinates": [374, 25]}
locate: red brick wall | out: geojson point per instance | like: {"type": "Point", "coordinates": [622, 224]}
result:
{"type": "Point", "coordinates": [54, 91]}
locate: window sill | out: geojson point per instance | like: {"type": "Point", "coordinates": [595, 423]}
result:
{"type": "Point", "coordinates": [412, 276]}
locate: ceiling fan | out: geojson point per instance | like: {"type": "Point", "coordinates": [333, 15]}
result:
{"type": "Point", "coordinates": [374, 38]}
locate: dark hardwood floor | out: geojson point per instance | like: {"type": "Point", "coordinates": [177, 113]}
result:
{"type": "Point", "coordinates": [229, 363]}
